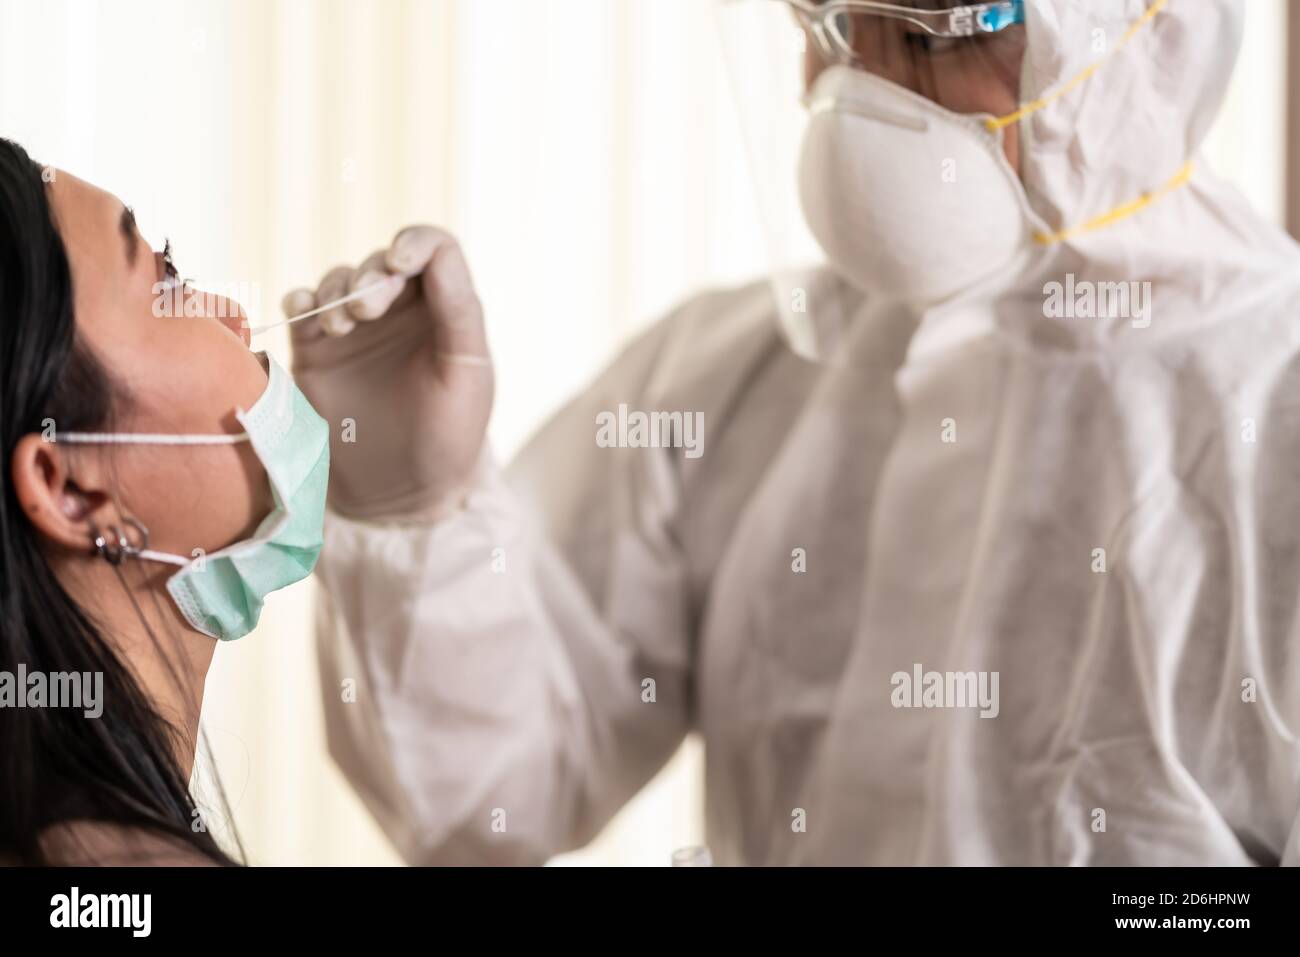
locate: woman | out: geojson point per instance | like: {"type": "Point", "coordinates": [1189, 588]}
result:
{"type": "Point", "coordinates": [101, 504]}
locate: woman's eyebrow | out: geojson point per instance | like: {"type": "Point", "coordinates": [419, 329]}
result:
{"type": "Point", "coordinates": [126, 223]}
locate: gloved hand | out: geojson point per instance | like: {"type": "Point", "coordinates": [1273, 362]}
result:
{"type": "Point", "coordinates": [402, 375]}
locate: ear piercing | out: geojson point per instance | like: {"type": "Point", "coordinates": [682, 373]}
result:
{"type": "Point", "coordinates": [114, 552]}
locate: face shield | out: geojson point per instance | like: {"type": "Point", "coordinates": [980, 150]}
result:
{"type": "Point", "coordinates": [876, 148]}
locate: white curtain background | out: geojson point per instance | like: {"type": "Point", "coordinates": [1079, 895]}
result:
{"type": "Point", "coordinates": [586, 153]}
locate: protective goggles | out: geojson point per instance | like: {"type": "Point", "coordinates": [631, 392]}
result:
{"type": "Point", "coordinates": [838, 26]}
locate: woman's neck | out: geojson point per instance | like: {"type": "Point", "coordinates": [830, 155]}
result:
{"type": "Point", "coordinates": [132, 609]}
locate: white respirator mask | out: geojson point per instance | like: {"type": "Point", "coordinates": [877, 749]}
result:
{"type": "Point", "coordinates": [908, 200]}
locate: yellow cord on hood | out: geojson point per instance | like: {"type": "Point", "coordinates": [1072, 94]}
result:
{"type": "Point", "coordinates": [993, 124]}
{"type": "Point", "coordinates": [1120, 212]}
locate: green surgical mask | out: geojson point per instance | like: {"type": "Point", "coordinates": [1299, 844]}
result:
{"type": "Point", "coordinates": [221, 594]}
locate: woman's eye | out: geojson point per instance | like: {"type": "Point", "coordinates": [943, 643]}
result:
{"type": "Point", "coordinates": [170, 273]}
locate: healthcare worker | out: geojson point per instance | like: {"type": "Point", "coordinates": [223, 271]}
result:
{"type": "Point", "coordinates": [991, 553]}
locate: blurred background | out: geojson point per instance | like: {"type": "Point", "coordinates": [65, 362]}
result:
{"type": "Point", "coordinates": [585, 151]}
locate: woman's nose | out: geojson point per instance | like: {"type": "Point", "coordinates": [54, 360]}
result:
{"type": "Point", "coordinates": [236, 320]}
{"type": "Point", "coordinates": [230, 314]}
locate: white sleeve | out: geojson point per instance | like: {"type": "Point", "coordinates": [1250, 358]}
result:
{"type": "Point", "coordinates": [522, 669]}
{"type": "Point", "coordinates": [486, 694]}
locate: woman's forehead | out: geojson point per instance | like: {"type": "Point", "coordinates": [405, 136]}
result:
{"type": "Point", "coordinates": [89, 218]}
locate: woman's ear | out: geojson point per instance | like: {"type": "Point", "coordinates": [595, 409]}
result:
{"type": "Point", "coordinates": [61, 510]}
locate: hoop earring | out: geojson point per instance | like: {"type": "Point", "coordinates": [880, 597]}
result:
{"type": "Point", "coordinates": [114, 552]}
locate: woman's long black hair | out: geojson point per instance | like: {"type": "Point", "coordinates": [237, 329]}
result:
{"type": "Point", "coordinates": [58, 766]}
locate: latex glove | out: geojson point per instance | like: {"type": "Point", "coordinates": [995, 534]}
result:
{"type": "Point", "coordinates": [403, 376]}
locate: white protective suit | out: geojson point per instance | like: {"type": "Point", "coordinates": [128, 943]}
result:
{"type": "Point", "coordinates": [1149, 694]}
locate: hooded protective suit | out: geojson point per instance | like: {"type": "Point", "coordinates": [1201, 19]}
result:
{"type": "Point", "coordinates": [1097, 522]}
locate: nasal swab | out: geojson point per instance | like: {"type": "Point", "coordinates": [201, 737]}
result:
{"type": "Point", "coordinates": [468, 360]}
{"type": "Point", "coordinates": [350, 297]}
